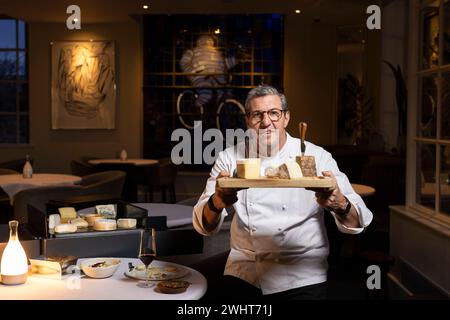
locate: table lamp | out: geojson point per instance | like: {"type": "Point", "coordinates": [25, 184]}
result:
{"type": "Point", "coordinates": [14, 264]}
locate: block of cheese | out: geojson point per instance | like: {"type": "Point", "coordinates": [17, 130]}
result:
{"type": "Point", "coordinates": [79, 223]}
{"type": "Point", "coordinates": [105, 224]}
{"type": "Point", "coordinates": [290, 170]}
{"type": "Point", "coordinates": [128, 223]}
{"type": "Point", "coordinates": [65, 228]}
{"type": "Point", "coordinates": [248, 168]}
{"type": "Point", "coordinates": [53, 220]}
{"type": "Point", "coordinates": [67, 213]}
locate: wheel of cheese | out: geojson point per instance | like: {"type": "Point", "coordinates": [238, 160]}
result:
{"type": "Point", "coordinates": [79, 223]}
{"type": "Point", "coordinates": [105, 224]}
{"type": "Point", "coordinates": [91, 218]}
{"type": "Point", "coordinates": [128, 223]}
{"type": "Point", "coordinates": [248, 168]}
{"type": "Point", "coordinates": [65, 228]}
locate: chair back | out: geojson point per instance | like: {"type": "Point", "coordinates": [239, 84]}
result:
{"type": "Point", "coordinates": [106, 182]}
{"type": "Point", "coordinates": [81, 168]}
{"type": "Point", "coordinates": [38, 198]}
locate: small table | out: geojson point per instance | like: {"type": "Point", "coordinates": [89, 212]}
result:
{"type": "Point", "coordinates": [136, 162]}
{"type": "Point", "coordinates": [177, 214]}
{"type": "Point", "coordinates": [363, 190]}
{"type": "Point", "coordinates": [14, 183]}
{"type": "Point", "coordinates": [117, 287]}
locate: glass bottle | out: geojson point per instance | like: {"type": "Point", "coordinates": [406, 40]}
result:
{"type": "Point", "coordinates": [27, 171]}
{"type": "Point", "coordinates": [14, 264]}
{"type": "Point", "coordinates": [123, 154]}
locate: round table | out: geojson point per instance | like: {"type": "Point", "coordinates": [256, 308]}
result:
{"type": "Point", "coordinates": [14, 183]}
{"type": "Point", "coordinates": [363, 190]}
{"type": "Point", "coordinates": [177, 214]}
{"type": "Point", "coordinates": [117, 287]}
{"type": "Point", "coordinates": [136, 162]}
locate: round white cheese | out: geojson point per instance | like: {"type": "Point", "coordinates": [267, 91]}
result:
{"type": "Point", "coordinates": [128, 223]}
{"type": "Point", "coordinates": [65, 228]}
{"type": "Point", "coordinates": [105, 224]}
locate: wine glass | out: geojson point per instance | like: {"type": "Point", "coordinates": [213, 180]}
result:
{"type": "Point", "coordinates": [147, 253]}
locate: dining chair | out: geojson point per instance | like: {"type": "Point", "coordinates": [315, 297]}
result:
{"type": "Point", "coordinates": [81, 168]}
{"type": "Point", "coordinates": [160, 178]}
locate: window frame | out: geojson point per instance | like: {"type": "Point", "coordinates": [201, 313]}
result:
{"type": "Point", "coordinates": [18, 113]}
{"type": "Point", "coordinates": [415, 73]}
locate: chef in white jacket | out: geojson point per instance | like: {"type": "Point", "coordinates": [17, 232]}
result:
{"type": "Point", "coordinates": [279, 244]}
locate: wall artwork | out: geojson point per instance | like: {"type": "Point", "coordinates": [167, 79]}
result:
{"type": "Point", "coordinates": [83, 85]}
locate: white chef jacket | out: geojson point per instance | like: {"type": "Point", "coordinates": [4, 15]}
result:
{"type": "Point", "coordinates": [278, 237]}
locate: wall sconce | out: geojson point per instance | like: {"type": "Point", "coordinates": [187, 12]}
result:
{"type": "Point", "coordinates": [14, 264]}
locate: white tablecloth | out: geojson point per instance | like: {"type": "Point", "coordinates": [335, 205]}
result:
{"type": "Point", "coordinates": [13, 183]}
{"type": "Point", "coordinates": [117, 287]}
{"type": "Point", "coordinates": [136, 162]}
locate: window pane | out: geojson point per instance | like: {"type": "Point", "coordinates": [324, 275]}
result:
{"type": "Point", "coordinates": [22, 40]}
{"type": "Point", "coordinates": [7, 65]}
{"type": "Point", "coordinates": [426, 175]}
{"type": "Point", "coordinates": [430, 36]}
{"type": "Point", "coordinates": [445, 116]}
{"type": "Point", "coordinates": [7, 33]}
{"type": "Point", "coordinates": [23, 97]}
{"type": "Point", "coordinates": [23, 129]}
{"type": "Point", "coordinates": [22, 66]}
{"type": "Point", "coordinates": [8, 128]}
{"type": "Point", "coordinates": [8, 97]}
{"type": "Point", "coordinates": [444, 180]}
{"type": "Point", "coordinates": [447, 32]}
{"type": "Point", "coordinates": [427, 107]}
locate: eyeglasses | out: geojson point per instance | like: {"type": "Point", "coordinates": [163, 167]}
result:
{"type": "Point", "coordinates": [258, 116]}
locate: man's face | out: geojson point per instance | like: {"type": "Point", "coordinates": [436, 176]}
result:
{"type": "Point", "coordinates": [268, 120]}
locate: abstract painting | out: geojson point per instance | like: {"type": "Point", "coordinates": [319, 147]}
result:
{"type": "Point", "coordinates": [83, 85]}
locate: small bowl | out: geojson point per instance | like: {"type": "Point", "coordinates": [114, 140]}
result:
{"type": "Point", "coordinates": [100, 268]}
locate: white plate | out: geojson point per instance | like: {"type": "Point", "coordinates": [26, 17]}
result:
{"type": "Point", "coordinates": [158, 271]}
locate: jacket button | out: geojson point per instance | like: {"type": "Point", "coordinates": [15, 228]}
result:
{"type": "Point", "coordinates": [284, 207]}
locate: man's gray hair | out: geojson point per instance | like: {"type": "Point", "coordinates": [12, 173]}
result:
{"type": "Point", "coordinates": [262, 91]}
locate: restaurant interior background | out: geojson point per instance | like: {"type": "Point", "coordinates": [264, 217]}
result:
{"type": "Point", "coordinates": [377, 99]}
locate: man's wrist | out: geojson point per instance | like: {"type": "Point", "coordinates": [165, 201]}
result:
{"type": "Point", "coordinates": [345, 210]}
{"type": "Point", "coordinates": [212, 206]}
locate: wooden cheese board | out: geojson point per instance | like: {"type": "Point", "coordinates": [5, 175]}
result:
{"type": "Point", "coordinates": [263, 182]}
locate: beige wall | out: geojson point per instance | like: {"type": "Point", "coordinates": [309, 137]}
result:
{"type": "Point", "coordinates": [53, 149]}
{"type": "Point", "coordinates": [309, 78]}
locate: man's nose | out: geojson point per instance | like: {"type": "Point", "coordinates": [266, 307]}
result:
{"type": "Point", "coordinates": [266, 120]}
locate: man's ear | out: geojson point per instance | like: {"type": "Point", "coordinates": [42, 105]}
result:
{"type": "Point", "coordinates": [287, 116]}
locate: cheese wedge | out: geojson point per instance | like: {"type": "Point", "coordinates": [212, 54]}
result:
{"type": "Point", "coordinates": [67, 213]}
{"type": "Point", "coordinates": [290, 170]}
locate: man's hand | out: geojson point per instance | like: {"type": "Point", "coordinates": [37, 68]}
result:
{"type": "Point", "coordinates": [334, 200]}
{"type": "Point", "coordinates": [330, 199]}
{"type": "Point", "coordinates": [224, 197]}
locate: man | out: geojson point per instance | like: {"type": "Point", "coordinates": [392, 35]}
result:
{"type": "Point", "coordinates": [279, 245]}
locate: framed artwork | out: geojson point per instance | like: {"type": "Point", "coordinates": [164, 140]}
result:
{"type": "Point", "coordinates": [83, 88]}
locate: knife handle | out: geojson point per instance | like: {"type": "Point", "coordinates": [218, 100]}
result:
{"type": "Point", "coordinates": [302, 128]}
